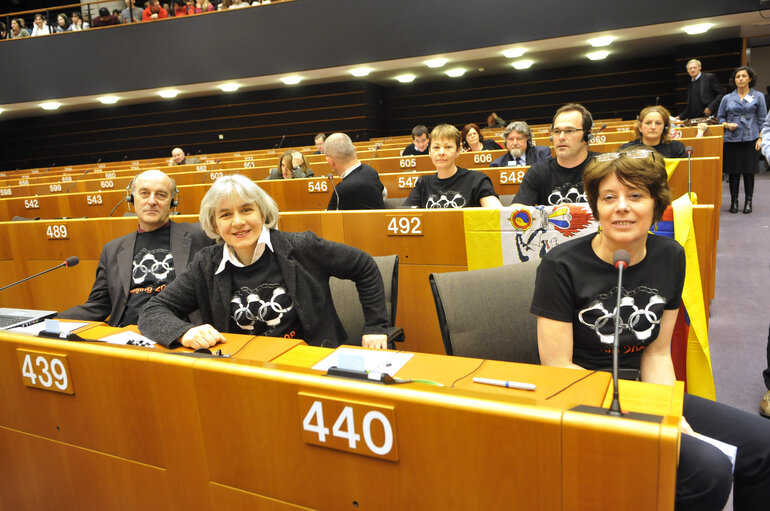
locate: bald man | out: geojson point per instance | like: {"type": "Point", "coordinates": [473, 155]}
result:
{"type": "Point", "coordinates": [179, 158]}
{"type": "Point", "coordinates": [137, 266]}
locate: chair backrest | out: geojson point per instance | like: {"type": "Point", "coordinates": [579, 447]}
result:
{"type": "Point", "coordinates": [485, 313]}
{"type": "Point", "coordinates": [506, 199]}
{"type": "Point", "coordinates": [348, 306]}
{"type": "Point", "coordinates": [394, 202]}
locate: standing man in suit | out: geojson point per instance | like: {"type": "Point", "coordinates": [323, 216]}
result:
{"type": "Point", "coordinates": [360, 186]}
{"type": "Point", "coordinates": [522, 150]}
{"type": "Point", "coordinates": [137, 266]}
{"type": "Point", "coordinates": [703, 93]}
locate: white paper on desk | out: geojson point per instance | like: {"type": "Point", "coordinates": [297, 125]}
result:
{"type": "Point", "coordinates": [730, 450]}
{"type": "Point", "coordinates": [125, 337]}
{"type": "Point", "coordinates": [374, 360]}
{"type": "Point", "coordinates": [65, 327]}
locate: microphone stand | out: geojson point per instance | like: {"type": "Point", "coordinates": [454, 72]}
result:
{"type": "Point", "coordinates": [688, 149]}
{"type": "Point", "coordinates": [65, 263]}
{"type": "Point", "coordinates": [615, 406]}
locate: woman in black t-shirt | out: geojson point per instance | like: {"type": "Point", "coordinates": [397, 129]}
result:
{"type": "Point", "coordinates": [575, 297]}
{"type": "Point", "coordinates": [652, 130]}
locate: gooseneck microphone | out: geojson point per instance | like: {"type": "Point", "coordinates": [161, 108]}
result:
{"type": "Point", "coordinates": [70, 261]}
{"type": "Point", "coordinates": [76, 180]}
{"type": "Point", "coordinates": [689, 152]}
{"type": "Point", "coordinates": [376, 148]}
{"type": "Point", "coordinates": [331, 178]}
{"type": "Point", "coordinates": [620, 260]}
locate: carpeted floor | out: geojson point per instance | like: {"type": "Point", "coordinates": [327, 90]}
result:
{"type": "Point", "coordinates": [740, 313]}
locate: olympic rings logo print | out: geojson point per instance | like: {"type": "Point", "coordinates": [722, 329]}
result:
{"type": "Point", "coordinates": [249, 308]}
{"type": "Point", "coordinates": [641, 322]}
{"type": "Point", "coordinates": [148, 265]}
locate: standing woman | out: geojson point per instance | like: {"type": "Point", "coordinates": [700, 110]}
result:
{"type": "Point", "coordinates": [652, 130]}
{"type": "Point", "coordinates": [576, 293]}
{"type": "Point", "coordinates": [473, 140]}
{"type": "Point", "coordinates": [742, 113]}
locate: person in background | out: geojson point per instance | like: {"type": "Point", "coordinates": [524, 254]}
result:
{"type": "Point", "coordinates": [260, 281]}
{"type": "Point", "coordinates": [154, 11]}
{"type": "Point", "coordinates": [451, 186]}
{"type": "Point", "coordinates": [742, 113]}
{"type": "Point", "coordinates": [291, 164]}
{"type": "Point", "coordinates": [62, 23]}
{"type": "Point", "coordinates": [40, 26]}
{"type": "Point", "coordinates": [132, 13]}
{"type": "Point", "coordinates": [3, 31]}
{"type": "Point", "coordinates": [105, 19]}
{"type": "Point", "coordinates": [495, 121]}
{"type": "Point", "coordinates": [576, 284]}
{"type": "Point", "coordinates": [178, 157]}
{"type": "Point", "coordinates": [203, 6]}
{"type": "Point", "coordinates": [77, 22]}
{"type": "Point", "coordinates": [183, 7]}
{"type": "Point", "coordinates": [560, 180]}
{"type": "Point", "coordinates": [319, 143]}
{"type": "Point", "coordinates": [17, 29]}
{"type": "Point", "coordinates": [420, 142]}
{"type": "Point", "coordinates": [521, 148]}
{"type": "Point", "coordinates": [704, 92]}
{"type": "Point", "coordinates": [473, 140]}
{"type": "Point", "coordinates": [360, 186]}
{"type": "Point", "coordinates": [652, 130]}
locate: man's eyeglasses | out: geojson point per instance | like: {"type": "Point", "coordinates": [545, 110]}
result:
{"type": "Point", "coordinates": [569, 132]}
{"type": "Point", "coordinates": [636, 153]}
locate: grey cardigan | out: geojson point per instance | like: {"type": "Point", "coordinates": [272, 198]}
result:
{"type": "Point", "coordinates": [306, 262]}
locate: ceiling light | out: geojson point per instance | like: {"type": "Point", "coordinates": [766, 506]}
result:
{"type": "Point", "coordinates": [229, 87]}
{"type": "Point", "coordinates": [512, 53]}
{"type": "Point", "coordinates": [50, 105]}
{"type": "Point", "coordinates": [454, 73]}
{"type": "Point", "coordinates": [360, 71]}
{"type": "Point", "coordinates": [698, 29]}
{"type": "Point", "coordinates": [523, 64]}
{"type": "Point", "coordinates": [291, 80]}
{"type": "Point", "coordinates": [598, 55]}
{"type": "Point", "coordinates": [406, 78]}
{"type": "Point", "coordinates": [436, 62]}
{"type": "Point", "coordinates": [168, 93]}
{"type": "Point", "coordinates": [598, 42]}
{"type": "Point", "coordinates": [108, 100]}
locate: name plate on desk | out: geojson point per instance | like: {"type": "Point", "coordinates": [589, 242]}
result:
{"type": "Point", "coordinates": [47, 371]}
{"type": "Point", "coordinates": [357, 427]}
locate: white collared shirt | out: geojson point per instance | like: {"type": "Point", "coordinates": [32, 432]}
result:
{"type": "Point", "coordinates": [229, 256]}
{"type": "Point", "coordinates": [350, 169]}
{"type": "Point", "coordinates": [696, 78]}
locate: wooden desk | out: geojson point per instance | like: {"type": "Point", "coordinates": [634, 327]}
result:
{"type": "Point", "coordinates": [205, 434]}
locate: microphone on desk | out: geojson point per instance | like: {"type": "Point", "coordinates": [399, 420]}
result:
{"type": "Point", "coordinates": [281, 142]}
{"type": "Point", "coordinates": [76, 180]}
{"type": "Point", "coordinates": [70, 261]}
{"type": "Point", "coordinates": [376, 148]}
{"type": "Point", "coordinates": [620, 260]}
{"type": "Point", "coordinates": [331, 178]}
{"type": "Point", "coordinates": [602, 127]}
{"type": "Point", "coordinates": [689, 152]}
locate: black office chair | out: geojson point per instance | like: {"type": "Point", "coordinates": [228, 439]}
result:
{"type": "Point", "coordinates": [394, 202]}
{"type": "Point", "coordinates": [485, 313]}
{"type": "Point", "coordinates": [348, 306]}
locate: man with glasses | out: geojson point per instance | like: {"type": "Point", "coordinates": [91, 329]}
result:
{"type": "Point", "coordinates": [522, 150]}
{"type": "Point", "coordinates": [560, 180]}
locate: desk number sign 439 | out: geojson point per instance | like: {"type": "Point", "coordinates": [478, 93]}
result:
{"type": "Point", "coordinates": [47, 371]}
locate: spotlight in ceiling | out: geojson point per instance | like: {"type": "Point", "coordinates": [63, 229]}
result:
{"type": "Point", "coordinates": [456, 72]}
{"type": "Point", "coordinates": [108, 100]}
{"type": "Point", "coordinates": [439, 62]}
{"type": "Point", "coordinates": [523, 64]}
{"type": "Point", "coordinates": [168, 93]}
{"type": "Point", "coordinates": [50, 105]}
{"type": "Point", "coordinates": [291, 80]}
{"type": "Point", "coordinates": [512, 53]}
{"type": "Point", "coordinates": [598, 55]}
{"type": "Point", "coordinates": [229, 87]}
{"type": "Point", "coordinates": [598, 42]}
{"type": "Point", "coordinates": [406, 78]}
{"type": "Point", "coordinates": [700, 28]}
{"type": "Point", "coordinates": [360, 71]}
